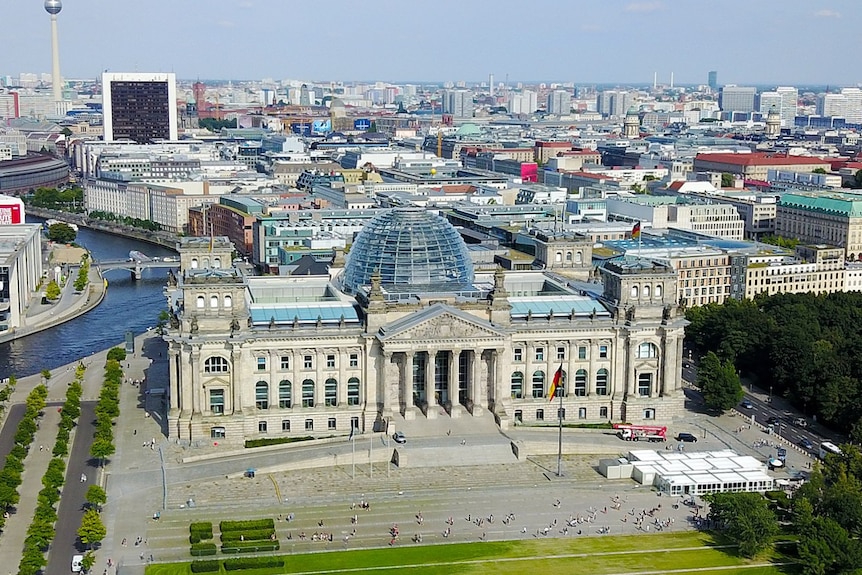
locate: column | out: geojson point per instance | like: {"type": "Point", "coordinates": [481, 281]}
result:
{"type": "Point", "coordinates": [342, 357]}
{"type": "Point", "coordinates": [498, 378]}
{"type": "Point", "coordinates": [476, 392]}
{"type": "Point", "coordinates": [187, 402]}
{"type": "Point", "coordinates": [630, 368]}
{"type": "Point", "coordinates": [677, 380]}
{"type": "Point", "coordinates": [405, 385]}
{"type": "Point", "coordinates": [454, 384]}
{"type": "Point", "coordinates": [530, 351]}
{"type": "Point", "coordinates": [593, 351]}
{"type": "Point", "coordinates": [174, 369]}
{"type": "Point", "coordinates": [236, 379]}
{"type": "Point", "coordinates": [319, 379]}
{"type": "Point", "coordinates": [571, 368]}
{"type": "Point", "coordinates": [385, 383]}
{"type": "Point", "coordinates": [430, 376]}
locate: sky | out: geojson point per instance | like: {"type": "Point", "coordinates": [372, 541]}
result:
{"type": "Point", "coordinates": [762, 42]}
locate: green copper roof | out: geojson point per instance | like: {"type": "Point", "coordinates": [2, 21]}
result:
{"type": "Point", "coordinates": [840, 204]}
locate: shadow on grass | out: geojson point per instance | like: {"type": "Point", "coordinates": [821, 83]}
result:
{"type": "Point", "coordinates": [782, 550]}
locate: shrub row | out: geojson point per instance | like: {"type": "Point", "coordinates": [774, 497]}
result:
{"type": "Point", "coordinates": [251, 535]}
{"type": "Point", "coordinates": [200, 531]}
{"type": "Point", "coordinates": [206, 565]}
{"type": "Point", "coordinates": [239, 563]}
{"type": "Point", "coordinates": [264, 441]}
{"type": "Point", "coordinates": [247, 525]}
{"type": "Point", "coordinates": [41, 531]}
{"type": "Point", "coordinates": [249, 547]}
{"type": "Point", "coordinates": [10, 475]}
{"type": "Point", "coordinates": [203, 549]}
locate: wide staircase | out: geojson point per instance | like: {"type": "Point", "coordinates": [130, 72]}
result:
{"type": "Point", "coordinates": [447, 441]}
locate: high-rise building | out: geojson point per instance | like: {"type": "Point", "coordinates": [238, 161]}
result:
{"type": "Point", "coordinates": [615, 102]}
{"type": "Point", "coordinates": [853, 104]}
{"type": "Point", "coordinates": [524, 102]}
{"type": "Point", "coordinates": [139, 106]}
{"type": "Point", "coordinates": [733, 98]}
{"type": "Point", "coordinates": [305, 96]}
{"type": "Point", "coordinates": [459, 103]}
{"type": "Point", "coordinates": [559, 103]}
{"type": "Point", "coordinates": [712, 80]}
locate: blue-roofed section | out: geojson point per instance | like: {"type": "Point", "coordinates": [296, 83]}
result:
{"type": "Point", "coordinates": [556, 305]}
{"type": "Point", "coordinates": [306, 313]}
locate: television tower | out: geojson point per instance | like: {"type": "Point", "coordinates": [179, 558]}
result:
{"type": "Point", "coordinates": [53, 8]}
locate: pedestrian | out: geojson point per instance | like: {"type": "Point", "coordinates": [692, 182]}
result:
{"type": "Point", "coordinates": [135, 432]}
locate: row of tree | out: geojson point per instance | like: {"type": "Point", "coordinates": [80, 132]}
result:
{"type": "Point", "coordinates": [67, 200]}
{"type": "Point", "coordinates": [13, 467]}
{"type": "Point", "coordinates": [83, 278]}
{"type": "Point", "coordinates": [107, 408]}
{"type": "Point", "coordinates": [42, 527]}
{"type": "Point", "coordinates": [125, 220]}
{"type": "Point", "coordinates": [801, 346]}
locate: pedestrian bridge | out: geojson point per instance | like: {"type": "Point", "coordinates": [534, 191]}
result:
{"type": "Point", "coordinates": [135, 267]}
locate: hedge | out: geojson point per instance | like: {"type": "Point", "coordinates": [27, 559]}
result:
{"type": "Point", "coordinates": [250, 547]}
{"type": "Point", "coordinates": [201, 526]}
{"type": "Point", "coordinates": [252, 535]}
{"type": "Point", "coordinates": [264, 441]}
{"type": "Point", "coordinates": [247, 525]}
{"type": "Point", "coordinates": [238, 563]}
{"type": "Point", "coordinates": [206, 565]}
{"type": "Point", "coordinates": [202, 549]}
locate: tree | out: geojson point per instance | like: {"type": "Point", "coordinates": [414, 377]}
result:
{"type": "Point", "coordinates": [52, 290]}
{"type": "Point", "coordinates": [46, 374]}
{"type": "Point", "coordinates": [92, 530]}
{"type": "Point", "coordinates": [818, 171]}
{"type": "Point", "coordinates": [727, 180]}
{"type": "Point", "coordinates": [101, 449]}
{"type": "Point", "coordinates": [857, 180]}
{"type": "Point", "coordinates": [62, 233]}
{"type": "Point", "coordinates": [88, 561]}
{"type": "Point", "coordinates": [96, 496]}
{"type": "Point", "coordinates": [719, 383]}
{"type": "Point", "coordinates": [826, 548]}
{"type": "Point", "coordinates": [745, 518]}
{"type": "Point", "coordinates": [117, 354]}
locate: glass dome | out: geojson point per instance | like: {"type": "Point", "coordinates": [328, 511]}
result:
{"type": "Point", "coordinates": [413, 250]}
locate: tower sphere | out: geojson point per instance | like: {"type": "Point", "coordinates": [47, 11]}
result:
{"type": "Point", "coordinates": [53, 6]}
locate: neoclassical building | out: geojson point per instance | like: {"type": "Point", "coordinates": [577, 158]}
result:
{"type": "Point", "coordinates": [403, 329]}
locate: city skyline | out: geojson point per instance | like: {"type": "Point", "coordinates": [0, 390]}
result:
{"type": "Point", "coordinates": [255, 39]}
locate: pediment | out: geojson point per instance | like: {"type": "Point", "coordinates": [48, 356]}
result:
{"type": "Point", "coordinates": [444, 323]}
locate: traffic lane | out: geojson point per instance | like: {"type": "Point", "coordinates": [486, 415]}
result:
{"type": "Point", "coordinates": [10, 428]}
{"type": "Point", "coordinates": [74, 493]}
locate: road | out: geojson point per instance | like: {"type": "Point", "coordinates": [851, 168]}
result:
{"type": "Point", "coordinates": [72, 499]}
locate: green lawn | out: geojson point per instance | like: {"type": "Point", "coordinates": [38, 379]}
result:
{"type": "Point", "coordinates": [678, 553]}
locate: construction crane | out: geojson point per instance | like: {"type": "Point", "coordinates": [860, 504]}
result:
{"type": "Point", "coordinates": [439, 143]}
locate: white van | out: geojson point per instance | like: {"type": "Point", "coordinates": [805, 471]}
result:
{"type": "Point", "coordinates": [76, 563]}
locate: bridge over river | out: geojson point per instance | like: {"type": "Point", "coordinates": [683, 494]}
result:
{"type": "Point", "coordinates": [135, 266]}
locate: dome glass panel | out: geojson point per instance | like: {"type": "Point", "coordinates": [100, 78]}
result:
{"type": "Point", "coordinates": [413, 250]}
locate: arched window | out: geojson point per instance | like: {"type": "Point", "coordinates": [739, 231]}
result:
{"type": "Point", "coordinates": [330, 392]}
{"type": "Point", "coordinates": [308, 393]}
{"type": "Point", "coordinates": [579, 257]}
{"type": "Point", "coordinates": [581, 382]}
{"type": "Point", "coordinates": [213, 301]}
{"type": "Point", "coordinates": [568, 256]}
{"type": "Point", "coordinates": [558, 257]}
{"type": "Point", "coordinates": [647, 350]}
{"type": "Point", "coordinates": [216, 263]}
{"type": "Point", "coordinates": [201, 302]}
{"type": "Point", "coordinates": [228, 302]}
{"type": "Point", "coordinates": [517, 385]}
{"type": "Point", "coordinates": [216, 364]}
{"type": "Point", "coordinates": [646, 291]}
{"type": "Point", "coordinates": [602, 377]}
{"type": "Point", "coordinates": [658, 290]}
{"type": "Point", "coordinates": [539, 384]}
{"type": "Point", "coordinates": [353, 391]}
{"type": "Point", "coordinates": [285, 393]}
{"type": "Point", "coordinates": [194, 263]}
{"type": "Point", "coordinates": [206, 263]}
{"type": "Point", "coordinates": [634, 291]}
{"type": "Point", "coordinates": [261, 395]}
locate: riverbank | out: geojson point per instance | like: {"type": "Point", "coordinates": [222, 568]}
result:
{"type": "Point", "coordinates": [163, 239]}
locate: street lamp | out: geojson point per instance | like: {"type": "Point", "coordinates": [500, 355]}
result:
{"type": "Point", "coordinates": [769, 399]}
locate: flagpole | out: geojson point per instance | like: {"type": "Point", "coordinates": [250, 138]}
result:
{"type": "Point", "coordinates": [560, 440]}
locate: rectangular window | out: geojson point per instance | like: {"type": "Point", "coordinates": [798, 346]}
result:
{"type": "Point", "coordinates": [582, 352]}
{"type": "Point", "coordinates": [261, 364]}
{"type": "Point", "coordinates": [330, 361]}
{"type": "Point", "coordinates": [644, 384]}
{"type": "Point", "coordinates": [561, 353]}
{"type": "Point", "coordinates": [308, 362]}
{"type": "Point", "coordinates": [285, 425]}
{"type": "Point", "coordinates": [309, 425]}
{"type": "Point", "coordinates": [540, 415]}
{"type": "Point", "coordinates": [603, 351]}
{"type": "Point", "coordinates": [261, 426]}
{"type": "Point", "coordinates": [217, 433]}
{"type": "Point", "coordinates": [217, 401]}
{"type": "Point", "coordinates": [518, 354]}
{"type": "Point", "coordinates": [330, 423]}
{"type": "Point", "coordinates": [354, 360]}
{"type": "Point", "coordinates": [285, 362]}
{"type": "Point", "coordinates": [540, 354]}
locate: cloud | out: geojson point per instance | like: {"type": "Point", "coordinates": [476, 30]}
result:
{"type": "Point", "coordinates": [643, 7]}
{"type": "Point", "coordinates": [827, 14]}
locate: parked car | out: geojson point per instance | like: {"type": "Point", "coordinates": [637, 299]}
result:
{"type": "Point", "coordinates": [399, 437]}
{"type": "Point", "coordinates": [77, 561]}
{"type": "Point", "coordinates": [686, 437]}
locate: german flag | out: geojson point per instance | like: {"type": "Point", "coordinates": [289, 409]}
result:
{"type": "Point", "coordinates": [636, 231]}
{"type": "Point", "coordinates": [558, 378]}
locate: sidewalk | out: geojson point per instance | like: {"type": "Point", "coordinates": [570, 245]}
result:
{"type": "Point", "coordinates": [35, 465]}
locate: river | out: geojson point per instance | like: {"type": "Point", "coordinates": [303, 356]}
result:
{"type": "Point", "coordinates": [128, 305]}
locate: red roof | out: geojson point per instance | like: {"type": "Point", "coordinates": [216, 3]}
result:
{"type": "Point", "coordinates": [675, 186]}
{"type": "Point", "coordinates": [761, 159]}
